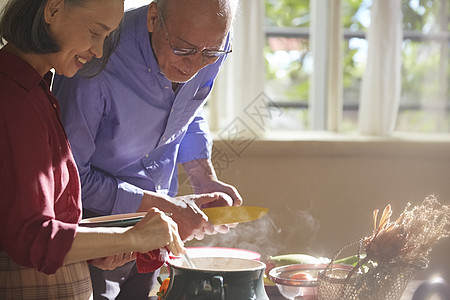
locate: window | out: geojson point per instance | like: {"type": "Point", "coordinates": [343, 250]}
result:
{"type": "Point", "coordinates": [288, 61]}
{"type": "Point", "coordinates": [425, 95]}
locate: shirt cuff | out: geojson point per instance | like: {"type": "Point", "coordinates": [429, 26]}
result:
{"type": "Point", "coordinates": [194, 153]}
{"type": "Point", "coordinates": [195, 146]}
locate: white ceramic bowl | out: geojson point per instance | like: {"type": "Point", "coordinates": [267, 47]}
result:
{"type": "Point", "coordinates": [291, 288]}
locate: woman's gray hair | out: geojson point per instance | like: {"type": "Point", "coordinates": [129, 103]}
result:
{"type": "Point", "coordinates": [22, 24]}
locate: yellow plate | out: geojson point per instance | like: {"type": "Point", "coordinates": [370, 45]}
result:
{"type": "Point", "coordinates": [234, 214]}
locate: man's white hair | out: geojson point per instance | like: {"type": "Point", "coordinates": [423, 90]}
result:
{"type": "Point", "coordinates": [227, 7]}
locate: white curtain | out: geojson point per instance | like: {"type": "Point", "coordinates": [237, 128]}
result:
{"type": "Point", "coordinates": [381, 84]}
{"type": "Point", "coordinates": [241, 80]}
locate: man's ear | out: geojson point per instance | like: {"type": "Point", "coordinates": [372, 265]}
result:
{"type": "Point", "coordinates": [52, 8]}
{"type": "Point", "coordinates": [152, 17]}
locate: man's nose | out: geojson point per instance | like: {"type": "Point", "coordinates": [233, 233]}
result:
{"type": "Point", "coordinates": [196, 62]}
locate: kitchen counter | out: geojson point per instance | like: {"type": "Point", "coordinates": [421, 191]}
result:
{"type": "Point", "coordinates": [272, 292]}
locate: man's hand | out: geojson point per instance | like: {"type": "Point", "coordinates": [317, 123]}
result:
{"type": "Point", "coordinates": [208, 200]}
{"type": "Point", "coordinates": [186, 212]}
{"type": "Point", "coordinates": [192, 222]}
{"type": "Point", "coordinates": [203, 180]}
{"type": "Point", "coordinates": [215, 185]}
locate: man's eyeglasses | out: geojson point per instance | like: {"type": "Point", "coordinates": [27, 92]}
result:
{"type": "Point", "coordinates": [206, 53]}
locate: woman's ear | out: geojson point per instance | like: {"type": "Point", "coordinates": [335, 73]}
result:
{"type": "Point", "coordinates": [152, 17]}
{"type": "Point", "coordinates": [51, 10]}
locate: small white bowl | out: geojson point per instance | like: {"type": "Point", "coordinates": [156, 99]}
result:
{"type": "Point", "coordinates": [291, 288]}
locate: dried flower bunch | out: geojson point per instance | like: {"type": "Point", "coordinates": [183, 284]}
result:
{"type": "Point", "coordinates": [388, 240]}
{"type": "Point", "coordinates": [412, 236]}
{"type": "Point", "coordinates": [395, 251]}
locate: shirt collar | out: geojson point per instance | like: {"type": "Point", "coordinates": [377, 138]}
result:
{"type": "Point", "coordinates": [20, 71]}
{"type": "Point", "coordinates": [144, 43]}
{"type": "Point", "coordinates": [153, 61]}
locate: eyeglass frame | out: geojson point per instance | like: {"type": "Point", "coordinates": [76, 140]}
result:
{"type": "Point", "coordinates": [214, 54]}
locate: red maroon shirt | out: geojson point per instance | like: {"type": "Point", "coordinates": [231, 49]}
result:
{"type": "Point", "coordinates": [40, 203]}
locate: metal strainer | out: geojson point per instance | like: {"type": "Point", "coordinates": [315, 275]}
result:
{"type": "Point", "coordinates": [382, 281]}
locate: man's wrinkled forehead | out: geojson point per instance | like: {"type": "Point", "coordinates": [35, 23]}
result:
{"type": "Point", "coordinates": [225, 9]}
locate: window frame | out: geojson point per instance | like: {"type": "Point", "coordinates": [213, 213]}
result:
{"type": "Point", "coordinates": [326, 36]}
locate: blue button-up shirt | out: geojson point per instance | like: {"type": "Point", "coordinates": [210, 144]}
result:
{"type": "Point", "coordinates": [128, 129]}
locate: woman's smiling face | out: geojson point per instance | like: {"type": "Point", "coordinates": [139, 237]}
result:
{"type": "Point", "coordinates": [80, 31]}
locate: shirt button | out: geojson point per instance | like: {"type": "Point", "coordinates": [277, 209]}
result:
{"type": "Point", "coordinates": [164, 138]}
{"type": "Point", "coordinates": [159, 186]}
{"type": "Point", "coordinates": [146, 155]}
{"type": "Point", "coordinates": [149, 69]}
{"type": "Point", "coordinates": [54, 105]}
{"type": "Point", "coordinates": [171, 110]}
{"type": "Point", "coordinates": [166, 87]}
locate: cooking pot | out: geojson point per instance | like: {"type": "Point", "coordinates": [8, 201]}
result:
{"type": "Point", "coordinates": [218, 252]}
{"type": "Point", "coordinates": [216, 278]}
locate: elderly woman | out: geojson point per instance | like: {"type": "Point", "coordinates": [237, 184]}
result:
{"type": "Point", "coordinates": [43, 251]}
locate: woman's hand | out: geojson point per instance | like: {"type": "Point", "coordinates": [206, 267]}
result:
{"type": "Point", "coordinates": [154, 231]}
{"type": "Point", "coordinates": [112, 262]}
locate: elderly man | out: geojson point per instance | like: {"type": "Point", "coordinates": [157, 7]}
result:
{"type": "Point", "coordinates": [132, 124]}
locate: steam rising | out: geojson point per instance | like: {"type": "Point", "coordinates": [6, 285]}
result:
{"type": "Point", "coordinates": [266, 236]}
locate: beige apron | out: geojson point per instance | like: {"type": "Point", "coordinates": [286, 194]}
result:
{"type": "Point", "coordinates": [69, 282]}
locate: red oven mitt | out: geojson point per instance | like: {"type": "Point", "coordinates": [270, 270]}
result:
{"type": "Point", "coordinates": [152, 260]}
